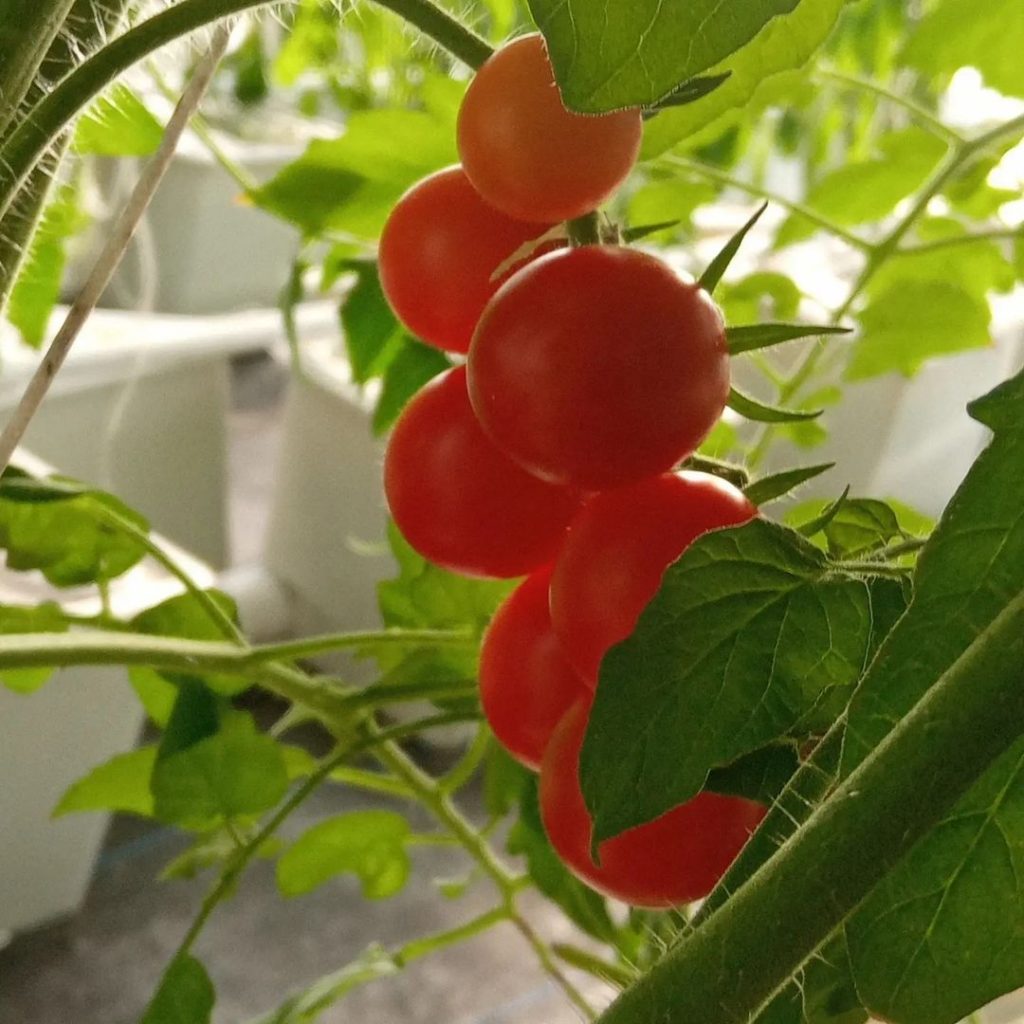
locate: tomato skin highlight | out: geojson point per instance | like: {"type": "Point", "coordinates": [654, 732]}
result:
{"type": "Point", "coordinates": [438, 250]}
{"type": "Point", "coordinates": [675, 859]}
{"type": "Point", "coordinates": [458, 500]}
{"type": "Point", "coordinates": [526, 681]}
{"type": "Point", "coordinates": [616, 552]}
{"type": "Point", "coordinates": [598, 366]}
{"type": "Point", "coordinates": [529, 156]}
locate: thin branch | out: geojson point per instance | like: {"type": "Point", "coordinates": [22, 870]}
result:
{"type": "Point", "coordinates": [113, 251]}
{"type": "Point", "coordinates": [922, 114]}
{"type": "Point", "coordinates": [955, 240]}
{"type": "Point", "coordinates": [704, 170]}
{"type": "Point", "coordinates": [49, 117]}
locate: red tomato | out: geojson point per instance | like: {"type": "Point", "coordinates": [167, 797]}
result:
{"type": "Point", "coordinates": [529, 156]}
{"type": "Point", "coordinates": [458, 500]}
{"type": "Point", "coordinates": [618, 548]}
{"type": "Point", "coordinates": [438, 251]}
{"type": "Point", "coordinates": [674, 859]}
{"type": "Point", "coordinates": [598, 366]}
{"type": "Point", "coordinates": [526, 683]}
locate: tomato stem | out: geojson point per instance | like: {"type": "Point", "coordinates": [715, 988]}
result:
{"type": "Point", "coordinates": [585, 230]}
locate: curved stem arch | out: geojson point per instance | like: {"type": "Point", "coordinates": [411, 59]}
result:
{"type": "Point", "coordinates": [42, 125]}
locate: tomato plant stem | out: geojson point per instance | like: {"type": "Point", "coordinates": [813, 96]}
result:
{"type": "Point", "coordinates": [45, 121]}
{"type": "Point", "coordinates": [440, 805]}
{"type": "Point", "coordinates": [740, 957]}
{"type": "Point", "coordinates": [878, 255]}
{"type": "Point", "coordinates": [922, 114]}
{"type": "Point", "coordinates": [710, 173]}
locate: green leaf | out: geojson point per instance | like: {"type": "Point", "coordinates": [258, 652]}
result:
{"type": "Point", "coordinates": [718, 266]}
{"type": "Point", "coordinates": [786, 43]}
{"type": "Point", "coordinates": [306, 1006]}
{"type": "Point", "coordinates": [372, 334]}
{"type": "Point", "coordinates": [768, 488]}
{"type": "Point", "coordinates": [236, 772]}
{"type": "Point", "coordinates": [751, 337]}
{"type": "Point", "coordinates": [350, 184]}
{"type": "Point", "coordinates": [412, 366]}
{"type": "Point", "coordinates": [913, 321]}
{"type": "Point", "coordinates": [670, 201]}
{"type": "Point", "coordinates": [37, 287]}
{"type": "Point", "coordinates": [65, 540]}
{"type": "Point", "coordinates": [854, 527]}
{"type": "Point", "coordinates": [760, 775]}
{"type": "Point", "coordinates": [693, 90]}
{"type": "Point", "coordinates": [156, 694]}
{"type": "Point", "coordinates": [752, 637]}
{"type": "Point", "coordinates": [627, 53]}
{"type": "Point", "coordinates": [867, 190]}
{"type": "Point", "coordinates": [184, 616]}
{"type": "Point", "coordinates": [185, 995]}
{"type": "Point", "coordinates": [952, 35]}
{"type": "Point", "coordinates": [758, 296]}
{"type": "Point", "coordinates": [818, 522]}
{"type": "Point", "coordinates": [41, 618]}
{"type": "Point", "coordinates": [213, 850]}
{"type": "Point", "coordinates": [120, 784]}
{"type": "Point", "coordinates": [118, 124]}
{"type": "Point", "coordinates": [370, 844]}
{"type": "Point", "coordinates": [580, 903]}
{"type": "Point", "coordinates": [944, 933]}
{"type": "Point", "coordinates": [760, 412]}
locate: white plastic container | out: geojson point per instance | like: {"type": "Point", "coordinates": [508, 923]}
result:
{"type": "Point", "coordinates": [139, 408]}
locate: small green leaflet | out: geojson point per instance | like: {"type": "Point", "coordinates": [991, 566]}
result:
{"type": "Point", "coordinates": [752, 637]}
{"type": "Point", "coordinates": [951, 35]}
{"type": "Point", "coordinates": [718, 266]}
{"type": "Point", "coordinates": [349, 184]}
{"type": "Point", "coordinates": [620, 53]}
{"type": "Point", "coordinates": [42, 618]}
{"type": "Point", "coordinates": [769, 488]}
{"type": "Point", "coordinates": [761, 412]}
{"type": "Point", "coordinates": [118, 124]}
{"type": "Point", "coordinates": [235, 773]}
{"type": "Point", "coordinates": [370, 844]}
{"type": "Point", "coordinates": [751, 337]}
{"type": "Point", "coordinates": [908, 942]}
{"type": "Point", "coordinates": [306, 1006]}
{"type": "Point", "coordinates": [120, 784]}
{"type": "Point", "coordinates": [786, 42]}
{"type": "Point", "coordinates": [65, 539]}
{"type": "Point", "coordinates": [185, 995]}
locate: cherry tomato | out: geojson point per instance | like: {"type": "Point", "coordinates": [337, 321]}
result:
{"type": "Point", "coordinates": [674, 859]}
{"type": "Point", "coordinates": [529, 156]}
{"type": "Point", "coordinates": [618, 548]}
{"type": "Point", "coordinates": [526, 682]}
{"type": "Point", "coordinates": [438, 251]}
{"type": "Point", "coordinates": [598, 366]}
{"type": "Point", "coordinates": [458, 500]}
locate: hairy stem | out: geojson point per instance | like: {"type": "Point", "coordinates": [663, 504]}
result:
{"type": "Point", "coordinates": [48, 118]}
{"type": "Point", "coordinates": [878, 256]}
{"type": "Point", "coordinates": [740, 957]}
{"type": "Point", "coordinates": [27, 29]}
{"type": "Point", "coordinates": [720, 177]}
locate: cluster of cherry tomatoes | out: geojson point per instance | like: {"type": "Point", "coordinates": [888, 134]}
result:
{"type": "Point", "coordinates": [592, 371]}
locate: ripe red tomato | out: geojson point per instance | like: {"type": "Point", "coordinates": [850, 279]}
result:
{"type": "Point", "coordinates": [437, 253]}
{"type": "Point", "coordinates": [458, 500]}
{"type": "Point", "coordinates": [674, 859]}
{"type": "Point", "coordinates": [598, 366]}
{"type": "Point", "coordinates": [617, 549]}
{"type": "Point", "coordinates": [529, 156]}
{"type": "Point", "coordinates": [526, 682]}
